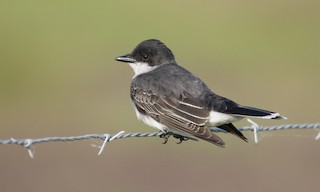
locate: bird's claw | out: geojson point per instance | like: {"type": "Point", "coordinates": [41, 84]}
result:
{"type": "Point", "coordinates": [181, 138]}
{"type": "Point", "coordinates": [166, 136]}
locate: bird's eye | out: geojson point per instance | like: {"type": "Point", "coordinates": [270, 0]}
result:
{"type": "Point", "coordinates": [145, 57]}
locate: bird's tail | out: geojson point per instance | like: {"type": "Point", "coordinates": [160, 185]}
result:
{"type": "Point", "coordinates": [245, 111]}
{"type": "Point", "coordinates": [233, 130]}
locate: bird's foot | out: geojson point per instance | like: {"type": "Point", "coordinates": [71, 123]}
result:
{"type": "Point", "coordinates": [181, 138]}
{"type": "Point", "coordinates": [165, 136]}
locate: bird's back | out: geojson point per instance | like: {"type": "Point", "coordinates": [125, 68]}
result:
{"type": "Point", "coordinates": [171, 80]}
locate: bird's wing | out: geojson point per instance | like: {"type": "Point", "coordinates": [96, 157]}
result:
{"type": "Point", "coordinates": [183, 115]}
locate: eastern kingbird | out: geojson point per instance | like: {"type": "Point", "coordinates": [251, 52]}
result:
{"type": "Point", "coordinates": [170, 98]}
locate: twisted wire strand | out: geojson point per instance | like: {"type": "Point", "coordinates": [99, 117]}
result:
{"type": "Point", "coordinates": [28, 142]}
{"type": "Point", "coordinates": [275, 128]}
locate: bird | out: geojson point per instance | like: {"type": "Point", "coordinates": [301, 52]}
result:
{"type": "Point", "coordinates": [168, 97]}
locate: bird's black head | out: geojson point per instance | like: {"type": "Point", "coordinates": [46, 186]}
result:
{"type": "Point", "coordinates": [152, 51]}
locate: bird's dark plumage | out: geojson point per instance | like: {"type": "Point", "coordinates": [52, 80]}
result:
{"type": "Point", "coordinates": [167, 96]}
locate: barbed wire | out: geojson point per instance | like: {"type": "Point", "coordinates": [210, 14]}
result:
{"type": "Point", "coordinates": [28, 143]}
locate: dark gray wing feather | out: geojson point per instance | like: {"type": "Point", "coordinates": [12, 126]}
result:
{"type": "Point", "coordinates": [184, 115]}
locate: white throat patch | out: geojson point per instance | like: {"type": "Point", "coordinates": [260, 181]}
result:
{"type": "Point", "coordinates": [140, 68]}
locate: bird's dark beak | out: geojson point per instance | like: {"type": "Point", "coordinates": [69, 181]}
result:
{"type": "Point", "coordinates": [126, 59]}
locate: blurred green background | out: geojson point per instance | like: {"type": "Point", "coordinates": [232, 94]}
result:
{"type": "Point", "coordinates": [58, 77]}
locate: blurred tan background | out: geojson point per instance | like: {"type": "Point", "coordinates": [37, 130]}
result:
{"type": "Point", "coordinates": [58, 77]}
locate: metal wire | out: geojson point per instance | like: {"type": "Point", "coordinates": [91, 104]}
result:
{"type": "Point", "coordinates": [27, 143]}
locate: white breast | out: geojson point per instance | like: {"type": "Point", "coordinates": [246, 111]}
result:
{"type": "Point", "coordinates": [149, 121]}
{"type": "Point", "coordinates": [155, 124]}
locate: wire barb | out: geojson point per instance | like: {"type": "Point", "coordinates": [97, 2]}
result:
{"type": "Point", "coordinates": [28, 146]}
{"type": "Point", "coordinates": [108, 139]}
{"type": "Point", "coordinates": [29, 143]}
{"type": "Point", "coordinates": [317, 137]}
{"type": "Point", "coordinates": [255, 128]}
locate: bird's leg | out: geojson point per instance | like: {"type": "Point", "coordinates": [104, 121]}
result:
{"type": "Point", "coordinates": [181, 138]}
{"type": "Point", "coordinates": [165, 136]}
